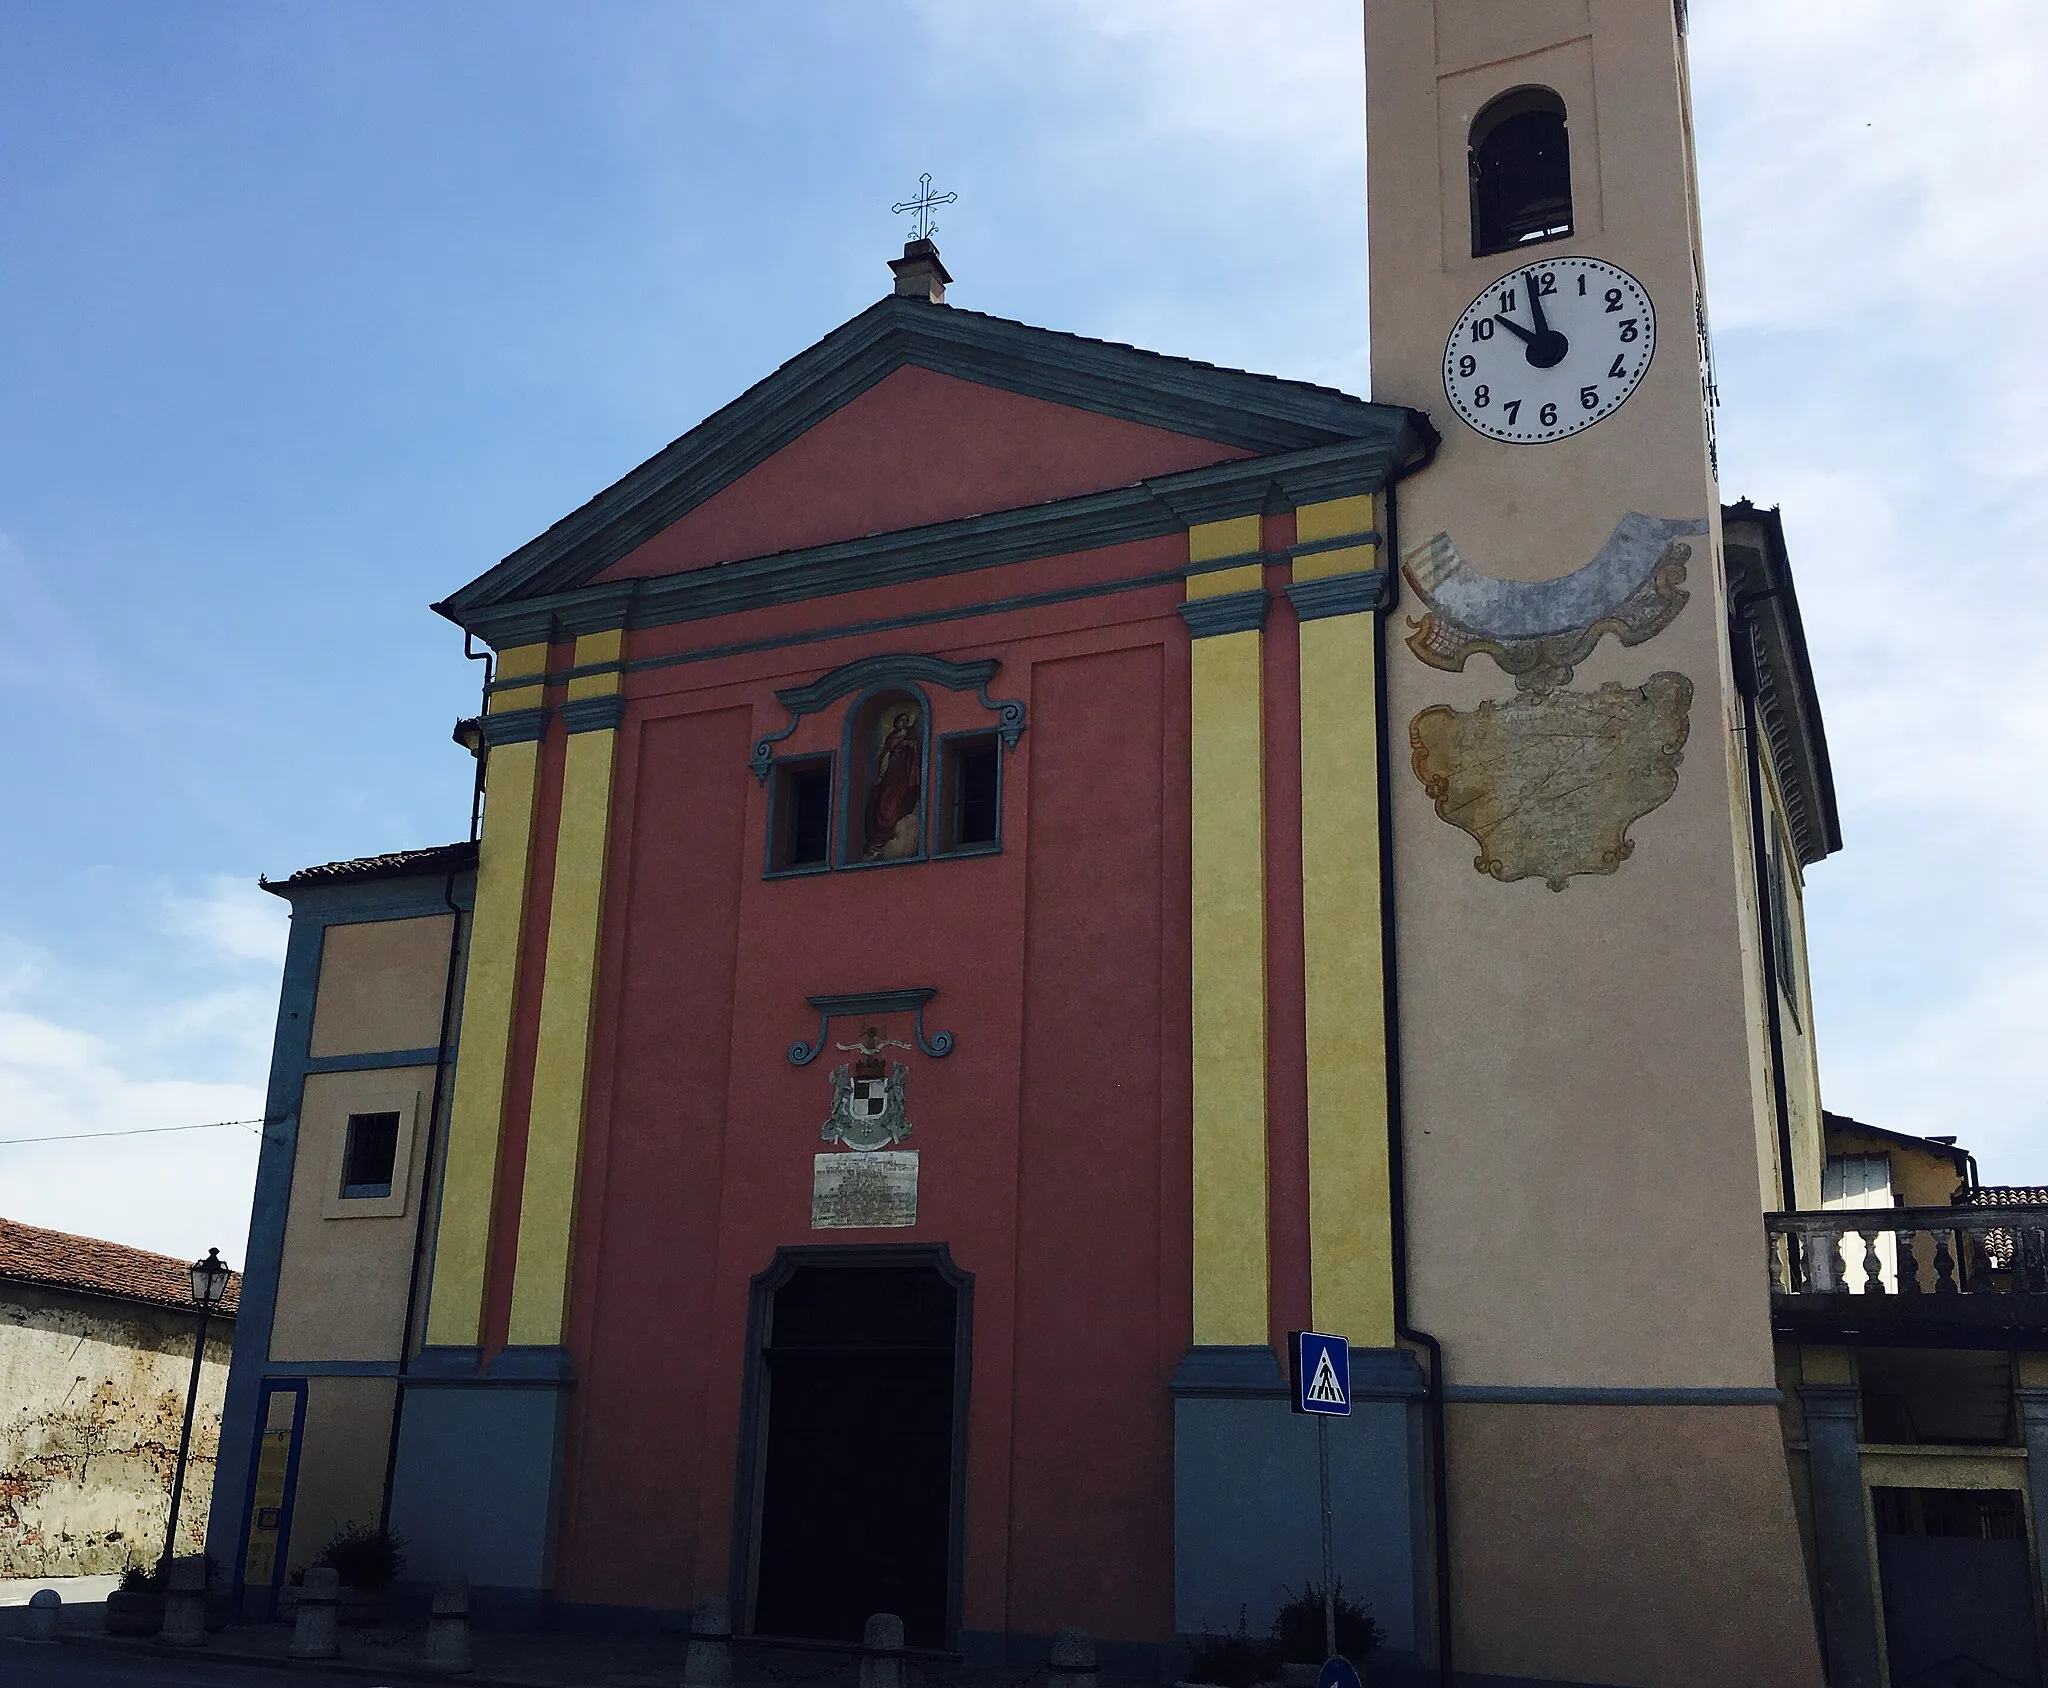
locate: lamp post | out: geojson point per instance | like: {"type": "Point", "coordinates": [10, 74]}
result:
{"type": "Point", "coordinates": [209, 1285]}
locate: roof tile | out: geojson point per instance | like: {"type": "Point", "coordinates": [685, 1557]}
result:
{"type": "Point", "coordinates": [93, 1266]}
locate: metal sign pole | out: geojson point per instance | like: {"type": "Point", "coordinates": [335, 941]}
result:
{"type": "Point", "coordinates": [1329, 1558]}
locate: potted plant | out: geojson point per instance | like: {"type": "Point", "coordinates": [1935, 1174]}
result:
{"type": "Point", "coordinates": [1300, 1631]}
{"type": "Point", "coordinates": [367, 1559]}
{"type": "Point", "coordinates": [137, 1606]}
{"type": "Point", "coordinates": [1231, 1661]}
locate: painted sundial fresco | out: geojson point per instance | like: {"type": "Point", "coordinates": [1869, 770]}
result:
{"type": "Point", "coordinates": [1549, 781]}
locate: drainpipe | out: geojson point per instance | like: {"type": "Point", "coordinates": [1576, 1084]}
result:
{"type": "Point", "coordinates": [1439, 1485]}
{"type": "Point", "coordinates": [419, 1227]}
{"type": "Point", "coordinates": [1744, 652]}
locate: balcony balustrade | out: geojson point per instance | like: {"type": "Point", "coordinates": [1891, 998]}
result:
{"type": "Point", "coordinates": [1918, 1273]}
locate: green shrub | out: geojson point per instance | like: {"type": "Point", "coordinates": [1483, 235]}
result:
{"type": "Point", "coordinates": [1233, 1661]}
{"type": "Point", "coordinates": [364, 1557]}
{"type": "Point", "coordinates": [1300, 1633]}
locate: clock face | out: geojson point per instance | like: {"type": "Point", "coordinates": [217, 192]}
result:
{"type": "Point", "coordinates": [1549, 349]}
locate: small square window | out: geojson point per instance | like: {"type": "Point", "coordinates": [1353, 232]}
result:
{"type": "Point", "coordinates": [973, 792]}
{"type": "Point", "coordinates": [370, 1157]}
{"type": "Point", "coordinates": [800, 821]}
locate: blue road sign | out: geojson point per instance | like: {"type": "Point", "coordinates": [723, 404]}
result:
{"type": "Point", "coordinates": [1322, 1374]}
{"type": "Point", "coordinates": [1337, 1672]}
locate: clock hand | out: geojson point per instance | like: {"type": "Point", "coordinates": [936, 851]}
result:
{"type": "Point", "coordinates": [1515, 328]}
{"type": "Point", "coordinates": [1546, 347]}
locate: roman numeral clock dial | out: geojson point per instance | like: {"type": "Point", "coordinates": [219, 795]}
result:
{"type": "Point", "coordinates": [1549, 350]}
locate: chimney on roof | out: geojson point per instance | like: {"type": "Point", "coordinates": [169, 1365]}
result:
{"type": "Point", "coordinates": [919, 274]}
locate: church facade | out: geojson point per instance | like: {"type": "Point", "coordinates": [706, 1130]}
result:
{"type": "Point", "coordinates": [1011, 872]}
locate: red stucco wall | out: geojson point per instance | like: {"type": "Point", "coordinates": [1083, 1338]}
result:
{"type": "Point", "coordinates": [917, 447]}
{"type": "Point", "coordinates": [1053, 1140]}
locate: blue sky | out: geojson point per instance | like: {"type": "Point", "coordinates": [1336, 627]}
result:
{"type": "Point", "coordinates": [309, 313]}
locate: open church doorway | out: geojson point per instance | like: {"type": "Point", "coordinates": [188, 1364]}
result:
{"type": "Point", "coordinates": [853, 1469]}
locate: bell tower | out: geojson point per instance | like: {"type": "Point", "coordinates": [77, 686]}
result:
{"type": "Point", "coordinates": [1583, 1101]}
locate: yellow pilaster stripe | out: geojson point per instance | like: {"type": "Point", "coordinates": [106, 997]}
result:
{"type": "Point", "coordinates": [554, 1132]}
{"type": "Point", "coordinates": [1229, 861]}
{"type": "Point", "coordinates": [1350, 1229]}
{"type": "Point", "coordinates": [462, 1238]}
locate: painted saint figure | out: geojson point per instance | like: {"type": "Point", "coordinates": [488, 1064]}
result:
{"type": "Point", "coordinates": [891, 828]}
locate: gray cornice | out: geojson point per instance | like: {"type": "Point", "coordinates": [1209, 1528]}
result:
{"type": "Point", "coordinates": [1788, 706]}
{"type": "Point", "coordinates": [1256, 413]}
{"type": "Point", "coordinates": [1339, 594]}
{"type": "Point", "coordinates": [515, 726]}
{"type": "Point", "coordinates": [1228, 612]}
{"type": "Point", "coordinates": [593, 714]}
{"type": "Point", "coordinates": [1161, 505]}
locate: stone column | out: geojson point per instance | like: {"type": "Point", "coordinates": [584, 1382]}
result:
{"type": "Point", "coordinates": [1849, 1610]}
{"type": "Point", "coordinates": [2033, 1405]}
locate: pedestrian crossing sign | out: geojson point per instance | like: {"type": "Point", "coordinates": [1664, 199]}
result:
{"type": "Point", "coordinates": [1322, 1373]}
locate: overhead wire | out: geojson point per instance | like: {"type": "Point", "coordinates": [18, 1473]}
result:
{"type": "Point", "coordinates": [255, 1125]}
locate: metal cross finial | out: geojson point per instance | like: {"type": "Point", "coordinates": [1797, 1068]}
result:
{"type": "Point", "coordinates": [924, 228]}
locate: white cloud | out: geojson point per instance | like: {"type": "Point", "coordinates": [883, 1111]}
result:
{"type": "Point", "coordinates": [1870, 257]}
{"type": "Point", "coordinates": [179, 1036]}
{"type": "Point", "coordinates": [231, 917]}
{"type": "Point", "coordinates": [178, 1192]}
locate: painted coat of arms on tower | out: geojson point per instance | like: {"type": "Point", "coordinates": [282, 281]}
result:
{"type": "Point", "coordinates": [867, 1096]}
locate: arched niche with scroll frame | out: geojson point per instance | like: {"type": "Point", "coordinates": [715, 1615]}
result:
{"type": "Point", "coordinates": [894, 791]}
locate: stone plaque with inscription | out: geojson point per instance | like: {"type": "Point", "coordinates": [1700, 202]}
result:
{"type": "Point", "coordinates": [864, 1191]}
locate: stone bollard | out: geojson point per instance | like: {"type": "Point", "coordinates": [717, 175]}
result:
{"type": "Point", "coordinates": [709, 1664]}
{"type": "Point", "coordinates": [316, 1631]}
{"type": "Point", "coordinates": [185, 1603]}
{"type": "Point", "coordinates": [43, 1607]}
{"type": "Point", "coordinates": [446, 1650]}
{"type": "Point", "coordinates": [1071, 1663]}
{"type": "Point", "coordinates": [881, 1664]}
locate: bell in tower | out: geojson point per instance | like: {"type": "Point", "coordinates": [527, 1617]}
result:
{"type": "Point", "coordinates": [1520, 161]}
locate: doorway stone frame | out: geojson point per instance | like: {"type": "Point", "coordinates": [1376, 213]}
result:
{"type": "Point", "coordinates": [751, 1472]}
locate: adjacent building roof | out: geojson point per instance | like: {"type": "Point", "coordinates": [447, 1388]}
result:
{"type": "Point", "coordinates": [93, 1266]}
{"type": "Point", "coordinates": [1760, 590]}
{"type": "Point", "coordinates": [1935, 1148]}
{"type": "Point", "coordinates": [398, 864]}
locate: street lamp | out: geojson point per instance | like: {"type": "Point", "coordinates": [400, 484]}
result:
{"type": "Point", "coordinates": [209, 1285]}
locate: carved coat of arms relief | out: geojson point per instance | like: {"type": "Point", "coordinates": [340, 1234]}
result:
{"type": "Point", "coordinates": [1549, 781]}
{"type": "Point", "coordinates": [874, 1187]}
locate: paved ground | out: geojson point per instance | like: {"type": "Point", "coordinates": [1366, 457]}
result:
{"type": "Point", "coordinates": [23, 1666]}
{"type": "Point", "coordinates": [253, 1656]}
{"type": "Point", "coordinates": [14, 1591]}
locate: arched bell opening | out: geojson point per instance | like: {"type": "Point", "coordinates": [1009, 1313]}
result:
{"type": "Point", "coordinates": [1519, 157]}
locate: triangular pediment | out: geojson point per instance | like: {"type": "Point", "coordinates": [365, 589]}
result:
{"type": "Point", "coordinates": [912, 416]}
{"type": "Point", "coordinates": [917, 447]}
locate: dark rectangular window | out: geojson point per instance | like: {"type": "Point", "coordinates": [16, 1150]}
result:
{"type": "Point", "coordinates": [370, 1155]}
{"type": "Point", "coordinates": [974, 790]}
{"type": "Point", "coordinates": [803, 815]}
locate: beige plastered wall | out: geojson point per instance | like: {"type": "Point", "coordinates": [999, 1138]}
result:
{"type": "Point", "coordinates": [1540, 1493]}
{"type": "Point", "coordinates": [1587, 1123]}
{"type": "Point", "coordinates": [92, 1400]}
{"type": "Point", "coordinates": [381, 983]}
{"type": "Point", "coordinates": [341, 1462]}
{"type": "Point", "coordinates": [346, 1263]}
{"type": "Point", "coordinates": [1795, 1012]}
{"type": "Point", "coordinates": [1580, 1066]}
{"type": "Point", "coordinates": [342, 1281]}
